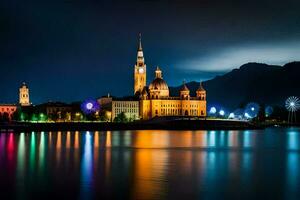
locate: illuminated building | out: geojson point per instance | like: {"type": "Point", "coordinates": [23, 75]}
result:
{"type": "Point", "coordinates": [105, 102]}
{"type": "Point", "coordinates": [7, 111]}
{"type": "Point", "coordinates": [24, 95]}
{"type": "Point", "coordinates": [56, 111]}
{"type": "Point", "coordinates": [129, 107]}
{"type": "Point", "coordinates": [139, 70]}
{"type": "Point", "coordinates": [155, 99]}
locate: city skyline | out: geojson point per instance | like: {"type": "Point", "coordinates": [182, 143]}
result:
{"type": "Point", "coordinates": [79, 51]}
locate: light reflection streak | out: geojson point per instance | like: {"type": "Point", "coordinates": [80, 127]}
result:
{"type": "Point", "coordinates": [32, 152]}
{"type": "Point", "coordinates": [10, 147]}
{"type": "Point", "coordinates": [42, 151]}
{"type": "Point", "coordinates": [293, 140]}
{"type": "Point", "coordinates": [149, 173]}
{"type": "Point", "coordinates": [246, 139]}
{"type": "Point", "coordinates": [20, 173]}
{"type": "Point", "coordinates": [108, 139]}
{"type": "Point", "coordinates": [292, 162]}
{"type": "Point", "coordinates": [58, 147]}
{"type": "Point", "coordinates": [68, 140]}
{"type": "Point", "coordinates": [211, 138]}
{"type": "Point", "coordinates": [87, 167]}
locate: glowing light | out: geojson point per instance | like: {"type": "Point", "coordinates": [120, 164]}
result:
{"type": "Point", "coordinates": [213, 110]}
{"type": "Point", "coordinates": [222, 112]}
{"type": "Point", "coordinates": [231, 116]}
{"type": "Point", "coordinates": [252, 110]}
{"type": "Point", "coordinates": [292, 104]}
{"type": "Point", "coordinates": [247, 115]}
{"type": "Point", "coordinates": [90, 106]}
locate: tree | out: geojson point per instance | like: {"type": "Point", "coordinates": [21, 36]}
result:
{"type": "Point", "coordinates": [261, 116]}
{"type": "Point", "coordinates": [5, 117]}
{"type": "Point", "coordinates": [121, 118]}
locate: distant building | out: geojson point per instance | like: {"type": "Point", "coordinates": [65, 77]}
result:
{"type": "Point", "coordinates": [24, 95]}
{"type": "Point", "coordinates": [7, 111]}
{"type": "Point", "coordinates": [56, 111]}
{"type": "Point", "coordinates": [129, 107]}
{"type": "Point", "coordinates": [105, 102]}
{"type": "Point", "coordinates": [155, 99]}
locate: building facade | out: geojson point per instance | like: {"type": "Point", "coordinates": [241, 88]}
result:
{"type": "Point", "coordinates": [155, 100]}
{"type": "Point", "coordinates": [24, 95]}
{"type": "Point", "coordinates": [139, 70]}
{"type": "Point", "coordinates": [7, 111]}
{"type": "Point", "coordinates": [129, 107]}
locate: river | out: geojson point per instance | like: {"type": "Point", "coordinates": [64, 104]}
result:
{"type": "Point", "coordinates": [149, 164]}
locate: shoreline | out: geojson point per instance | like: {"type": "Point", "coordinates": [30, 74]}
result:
{"type": "Point", "coordinates": [138, 125]}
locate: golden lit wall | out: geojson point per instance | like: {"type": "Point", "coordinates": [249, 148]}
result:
{"type": "Point", "coordinates": [161, 107]}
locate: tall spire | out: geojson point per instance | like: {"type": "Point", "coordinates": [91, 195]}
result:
{"type": "Point", "coordinates": [140, 42]}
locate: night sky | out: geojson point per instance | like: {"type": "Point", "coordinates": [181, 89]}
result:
{"type": "Point", "coordinates": [69, 50]}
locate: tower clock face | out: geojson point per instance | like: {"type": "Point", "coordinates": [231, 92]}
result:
{"type": "Point", "coordinates": [141, 70]}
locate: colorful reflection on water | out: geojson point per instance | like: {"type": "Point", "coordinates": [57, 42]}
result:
{"type": "Point", "coordinates": [151, 164]}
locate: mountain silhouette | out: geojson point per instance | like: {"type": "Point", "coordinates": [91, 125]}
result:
{"type": "Point", "coordinates": [252, 82]}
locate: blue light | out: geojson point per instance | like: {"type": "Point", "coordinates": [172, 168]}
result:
{"type": "Point", "coordinates": [222, 112]}
{"type": "Point", "coordinates": [231, 116]}
{"type": "Point", "coordinates": [90, 106]}
{"type": "Point", "coordinates": [247, 115]}
{"type": "Point", "coordinates": [212, 110]}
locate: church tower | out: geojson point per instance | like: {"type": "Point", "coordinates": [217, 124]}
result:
{"type": "Point", "coordinates": [139, 69]}
{"type": "Point", "coordinates": [24, 95]}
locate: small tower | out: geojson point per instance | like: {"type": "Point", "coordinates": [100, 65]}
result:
{"type": "Point", "coordinates": [158, 73]}
{"type": "Point", "coordinates": [201, 93]}
{"type": "Point", "coordinates": [139, 69]}
{"type": "Point", "coordinates": [184, 92]}
{"type": "Point", "coordinates": [24, 95]}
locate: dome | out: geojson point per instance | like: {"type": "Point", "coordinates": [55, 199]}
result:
{"type": "Point", "coordinates": [158, 84]}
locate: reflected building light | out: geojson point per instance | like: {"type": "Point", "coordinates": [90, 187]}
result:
{"type": "Point", "coordinates": [58, 147]}
{"type": "Point", "coordinates": [2, 142]}
{"type": "Point", "coordinates": [148, 167]}
{"type": "Point", "coordinates": [68, 140]}
{"type": "Point", "coordinates": [127, 138]}
{"type": "Point", "coordinates": [87, 167]}
{"type": "Point", "coordinates": [292, 172]}
{"type": "Point", "coordinates": [116, 139]}
{"type": "Point", "coordinates": [211, 138]}
{"type": "Point", "coordinates": [108, 139]}
{"type": "Point", "coordinates": [76, 142]}
{"type": "Point", "coordinates": [293, 140]}
{"type": "Point", "coordinates": [233, 138]}
{"type": "Point", "coordinates": [246, 139]}
{"type": "Point", "coordinates": [96, 148]}
{"type": "Point", "coordinates": [96, 139]}
{"type": "Point", "coordinates": [222, 139]}
{"type": "Point", "coordinates": [32, 152]}
{"type": "Point", "coordinates": [10, 146]}
{"type": "Point", "coordinates": [21, 152]}
{"type": "Point", "coordinates": [42, 151]}
{"type": "Point", "coordinates": [50, 139]}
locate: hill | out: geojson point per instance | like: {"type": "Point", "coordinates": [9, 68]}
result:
{"type": "Point", "coordinates": [252, 82]}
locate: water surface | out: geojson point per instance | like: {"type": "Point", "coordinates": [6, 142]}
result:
{"type": "Point", "coordinates": [151, 164]}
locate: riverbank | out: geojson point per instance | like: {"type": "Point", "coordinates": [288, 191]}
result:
{"type": "Point", "coordinates": [138, 125]}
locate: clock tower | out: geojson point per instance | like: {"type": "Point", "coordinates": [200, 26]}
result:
{"type": "Point", "coordinates": [139, 69]}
